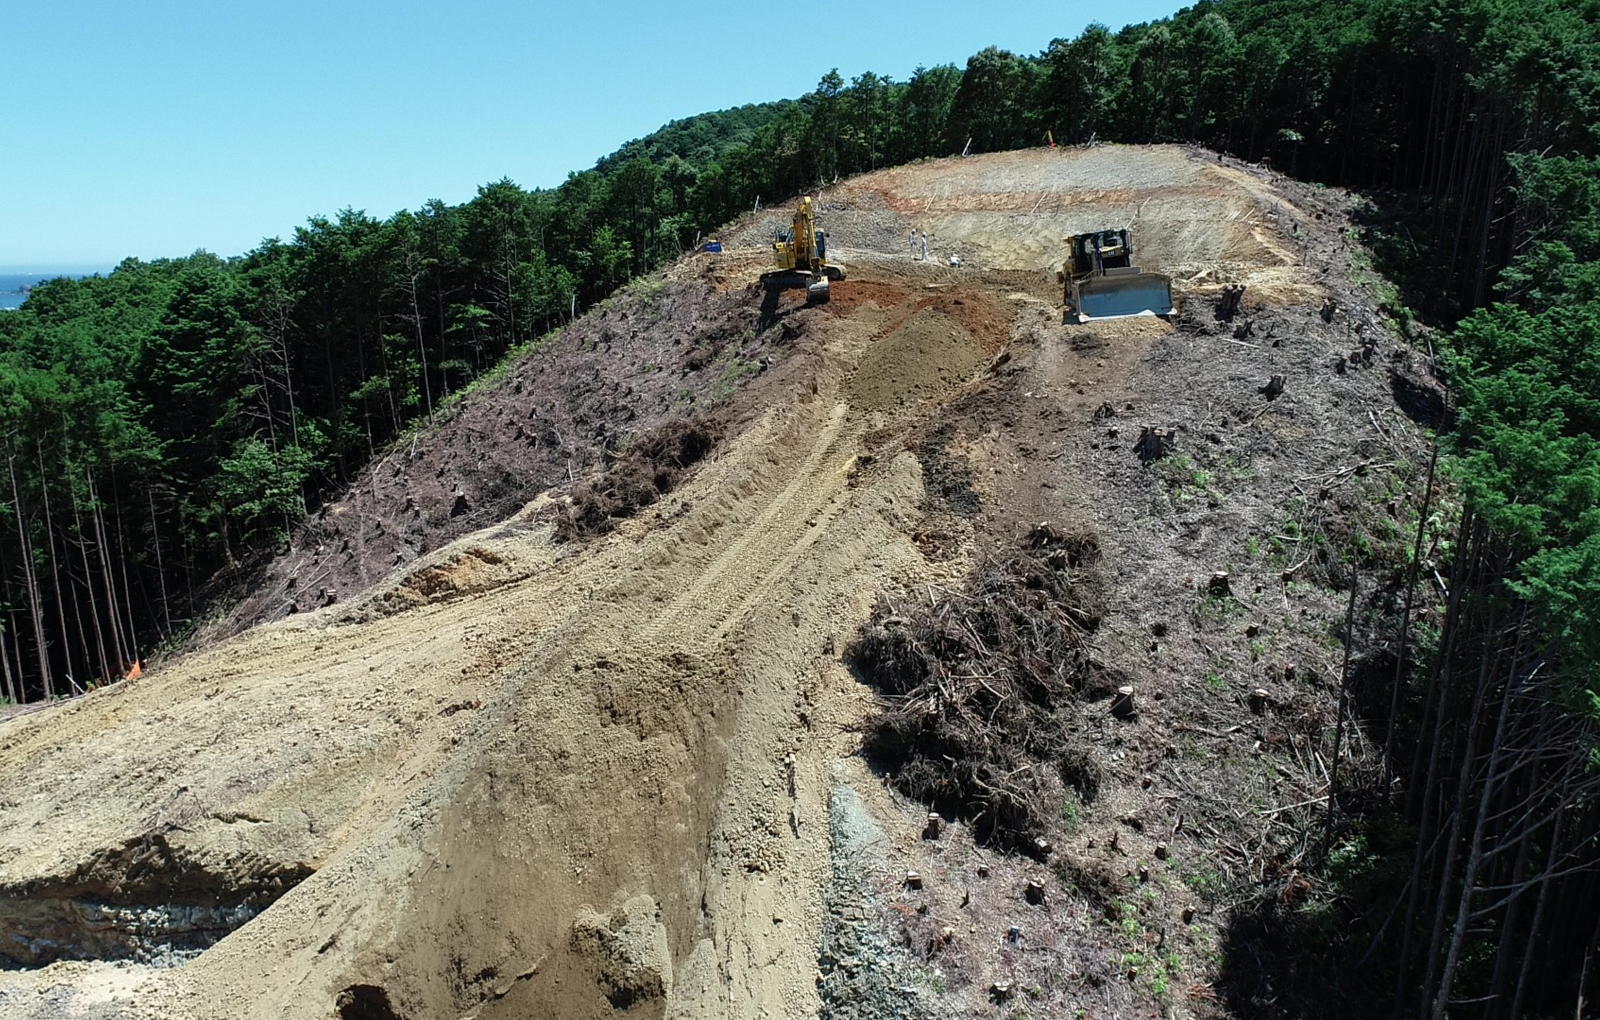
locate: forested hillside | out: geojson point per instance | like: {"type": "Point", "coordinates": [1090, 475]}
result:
{"type": "Point", "coordinates": [164, 426]}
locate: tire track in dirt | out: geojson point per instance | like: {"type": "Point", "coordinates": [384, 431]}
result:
{"type": "Point", "coordinates": [729, 585]}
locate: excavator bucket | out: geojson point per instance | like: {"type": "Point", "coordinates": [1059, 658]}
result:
{"type": "Point", "coordinates": [1122, 293]}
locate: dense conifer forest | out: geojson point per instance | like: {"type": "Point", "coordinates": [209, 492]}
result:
{"type": "Point", "coordinates": [164, 426]}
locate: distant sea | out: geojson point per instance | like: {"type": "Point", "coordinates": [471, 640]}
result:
{"type": "Point", "coordinates": [14, 286]}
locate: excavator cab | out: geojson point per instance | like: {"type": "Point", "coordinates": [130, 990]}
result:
{"type": "Point", "coordinates": [1101, 281]}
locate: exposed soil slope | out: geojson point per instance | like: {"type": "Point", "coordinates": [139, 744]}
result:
{"type": "Point", "coordinates": [654, 352]}
{"type": "Point", "coordinates": [514, 776]}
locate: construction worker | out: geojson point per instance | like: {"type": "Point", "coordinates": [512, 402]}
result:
{"type": "Point", "coordinates": [924, 236]}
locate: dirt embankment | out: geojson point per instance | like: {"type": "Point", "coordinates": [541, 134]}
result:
{"type": "Point", "coordinates": [654, 353]}
{"type": "Point", "coordinates": [509, 774]}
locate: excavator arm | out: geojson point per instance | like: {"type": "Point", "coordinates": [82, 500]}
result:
{"type": "Point", "coordinates": [800, 257]}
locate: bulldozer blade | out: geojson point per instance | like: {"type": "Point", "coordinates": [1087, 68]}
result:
{"type": "Point", "coordinates": [1117, 297]}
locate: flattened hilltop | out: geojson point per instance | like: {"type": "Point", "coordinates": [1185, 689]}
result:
{"type": "Point", "coordinates": [458, 756]}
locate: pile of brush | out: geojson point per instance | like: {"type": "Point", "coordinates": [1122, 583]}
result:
{"type": "Point", "coordinates": [975, 685]}
{"type": "Point", "coordinates": [634, 478]}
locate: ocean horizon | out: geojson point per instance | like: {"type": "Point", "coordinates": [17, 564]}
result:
{"type": "Point", "coordinates": [14, 286]}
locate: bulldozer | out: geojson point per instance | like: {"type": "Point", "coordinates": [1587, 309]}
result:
{"type": "Point", "coordinates": [1100, 280]}
{"type": "Point", "coordinates": [801, 257]}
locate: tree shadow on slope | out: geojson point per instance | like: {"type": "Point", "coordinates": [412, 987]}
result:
{"type": "Point", "coordinates": [1310, 942]}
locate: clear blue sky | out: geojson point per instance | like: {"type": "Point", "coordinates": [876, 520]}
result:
{"type": "Point", "coordinates": [161, 127]}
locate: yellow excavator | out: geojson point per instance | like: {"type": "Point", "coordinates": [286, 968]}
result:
{"type": "Point", "coordinates": [1101, 282]}
{"type": "Point", "coordinates": [801, 257]}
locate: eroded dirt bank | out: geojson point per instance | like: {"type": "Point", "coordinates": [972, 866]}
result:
{"type": "Point", "coordinates": [516, 776]}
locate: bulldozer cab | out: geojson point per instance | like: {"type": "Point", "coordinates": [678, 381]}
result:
{"type": "Point", "coordinates": [1102, 282]}
{"type": "Point", "coordinates": [1101, 250]}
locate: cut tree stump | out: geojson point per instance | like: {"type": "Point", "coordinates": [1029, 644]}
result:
{"type": "Point", "coordinates": [1154, 443]}
{"type": "Point", "coordinates": [1122, 705]}
{"type": "Point", "coordinates": [1229, 300]}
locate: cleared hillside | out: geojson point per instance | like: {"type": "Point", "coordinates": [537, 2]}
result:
{"type": "Point", "coordinates": [505, 774]}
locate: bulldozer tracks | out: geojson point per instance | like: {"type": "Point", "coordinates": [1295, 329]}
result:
{"type": "Point", "coordinates": [770, 545]}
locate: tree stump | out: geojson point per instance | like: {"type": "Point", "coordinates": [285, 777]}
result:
{"type": "Point", "coordinates": [1034, 892]}
{"type": "Point", "coordinates": [1274, 387]}
{"type": "Point", "coordinates": [1122, 705]}
{"type": "Point", "coordinates": [935, 823]}
{"type": "Point", "coordinates": [1154, 443]}
{"type": "Point", "coordinates": [1228, 301]}
{"type": "Point", "coordinates": [1219, 585]}
{"type": "Point", "coordinates": [1258, 700]}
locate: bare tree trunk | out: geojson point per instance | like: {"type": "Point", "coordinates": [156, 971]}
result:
{"type": "Point", "coordinates": [113, 609]}
{"type": "Point", "coordinates": [161, 571]}
{"type": "Point", "coordinates": [413, 274]}
{"type": "Point", "coordinates": [1531, 945]}
{"type": "Point", "coordinates": [1469, 878]}
{"type": "Point", "coordinates": [9, 626]}
{"type": "Point", "coordinates": [1516, 874]}
{"type": "Point", "coordinates": [108, 668]}
{"type": "Point", "coordinates": [1452, 840]}
{"type": "Point", "coordinates": [1405, 620]}
{"type": "Point", "coordinates": [45, 680]}
{"type": "Point", "coordinates": [127, 591]}
{"type": "Point", "coordinates": [1439, 686]}
{"type": "Point", "coordinates": [55, 568]}
{"type": "Point", "coordinates": [12, 693]}
{"type": "Point", "coordinates": [1583, 975]}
